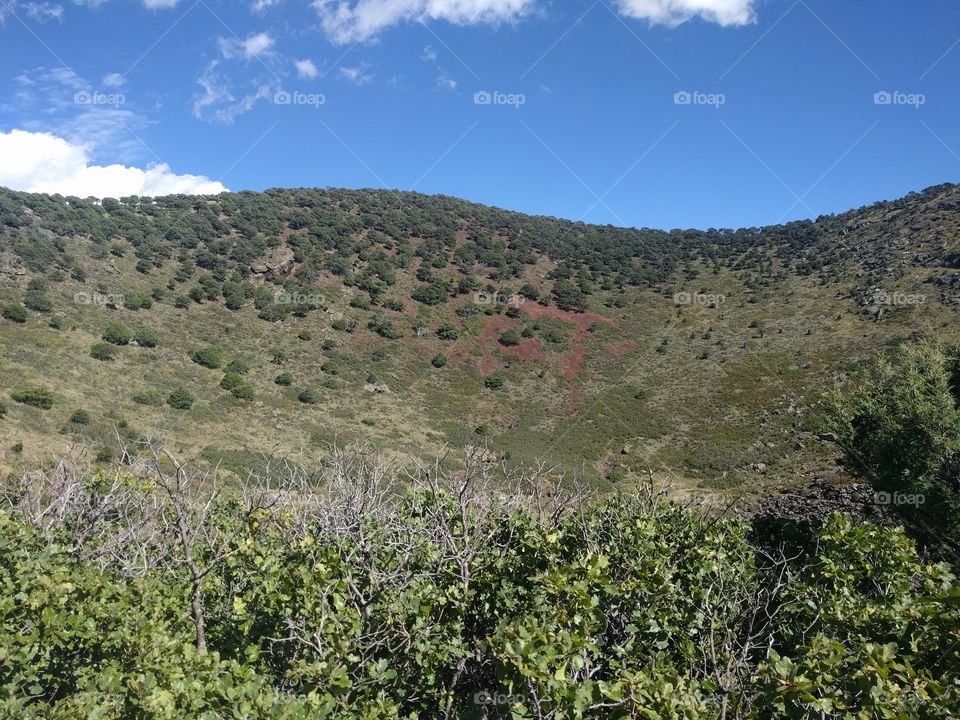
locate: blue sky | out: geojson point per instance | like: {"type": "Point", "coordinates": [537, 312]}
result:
{"type": "Point", "coordinates": [657, 113]}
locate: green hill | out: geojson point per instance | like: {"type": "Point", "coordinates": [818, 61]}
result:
{"type": "Point", "coordinates": [247, 323]}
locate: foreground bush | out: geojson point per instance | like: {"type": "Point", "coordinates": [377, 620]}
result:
{"type": "Point", "coordinates": [364, 593]}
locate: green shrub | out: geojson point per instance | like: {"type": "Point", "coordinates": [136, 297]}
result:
{"type": "Point", "coordinates": [103, 351]}
{"type": "Point", "coordinates": [105, 455]}
{"type": "Point", "coordinates": [3, 409]}
{"type": "Point", "coordinates": [80, 417]}
{"type": "Point", "coordinates": [509, 338]}
{"type": "Point", "coordinates": [447, 331]}
{"type": "Point", "coordinates": [494, 381]}
{"type": "Point", "coordinates": [439, 360]}
{"type": "Point", "coordinates": [180, 399]}
{"type": "Point", "coordinates": [284, 378]}
{"type": "Point", "coordinates": [243, 392]}
{"type": "Point", "coordinates": [305, 335]}
{"type": "Point", "coordinates": [209, 357]}
{"type": "Point", "coordinates": [145, 337]}
{"type": "Point", "coordinates": [149, 397]}
{"type": "Point", "coordinates": [36, 297]}
{"type": "Point", "coordinates": [117, 334]}
{"type": "Point", "coordinates": [385, 328]}
{"type": "Point", "coordinates": [35, 397]}
{"type": "Point", "coordinates": [231, 380]}
{"type": "Point", "coordinates": [309, 397]}
{"type": "Point", "coordinates": [240, 367]}
{"type": "Point", "coordinates": [15, 312]}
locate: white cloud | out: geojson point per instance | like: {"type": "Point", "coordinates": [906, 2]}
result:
{"type": "Point", "coordinates": [114, 80]}
{"type": "Point", "coordinates": [160, 4]}
{"type": "Point", "coordinates": [43, 11]}
{"type": "Point", "coordinates": [675, 12]}
{"type": "Point", "coordinates": [41, 162]}
{"type": "Point", "coordinates": [347, 21]}
{"type": "Point", "coordinates": [259, 6]}
{"type": "Point", "coordinates": [254, 46]}
{"type": "Point", "coordinates": [428, 54]}
{"type": "Point", "coordinates": [356, 75]}
{"type": "Point", "coordinates": [219, 104]}
{"type": "Point", "coordinates": [306, 69]}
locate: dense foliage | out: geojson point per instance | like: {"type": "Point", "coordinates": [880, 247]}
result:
{"type": "Point", "coordinates": [450, 594]}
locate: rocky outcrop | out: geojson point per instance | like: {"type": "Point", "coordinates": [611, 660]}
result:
{"type": "Point", "coordinates": [278, 262]}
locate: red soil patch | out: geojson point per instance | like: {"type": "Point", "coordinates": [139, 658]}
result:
{"type": "Point", "coordinates": [568, 366]}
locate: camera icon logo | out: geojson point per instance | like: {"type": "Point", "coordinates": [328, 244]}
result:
{"type": "Point", "coordinates": [282, 97]}
{"type": "Point", "coordinates": [482, 98]}
{"type": "Point", "coordinates": [682, 98]}
{"type": "Point", "coordinates": [882, 98]}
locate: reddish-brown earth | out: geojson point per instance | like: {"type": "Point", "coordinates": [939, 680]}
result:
{"type": "Point", "coordinates": [568, 365]}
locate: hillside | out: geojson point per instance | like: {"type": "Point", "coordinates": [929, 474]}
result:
{"type": "Point", "coordinates": [287, 320]}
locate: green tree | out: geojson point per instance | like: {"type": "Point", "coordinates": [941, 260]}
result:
{"type": "Point", "coordinates": [180, 399]}
{"type": "Point", "coordinates": [117, 334]}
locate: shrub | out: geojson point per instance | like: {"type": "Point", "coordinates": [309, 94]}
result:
{"type": "Point", "coordinates": [385, 328]}
{"type": "Point", "coordinates": [15, 312]}
{"type": "Point", "coordinates": [80, 417]}
{"type": "Point", "coordinates": [494, 381]}
{"type": "Point", "coordinates": [208, 357]}
{"type": "Point", "coordinates": [148, 397]}
{"type": "Point", "coordinates": [242, 392]}
{"type": "Point", "coordinates": [231, 380]}
{"type": "Point", "coordinates": [509, 338]}
{"type": "Point", "coordinates": [56, 323]}
{"type": "Point", "coordinates": [145, 337]}
{"type": "Point", "coordinates": [180, 399]}
{"type": "Point", "coordinates": [103, 351]}
{"type": "Point", "coordinates": [36, 298]}
{"type": "Point", "coordinates": [35, 397]}
{"type": "Point", "coordinates": [433, 294]}
{"type": "Point", "coordinates": [284, 378]}
{"type": "Point", "coordinates": [394, 305]}
{"type": "Point", "coordinates": [137, 301]}
{"type": "Point", "coordinates": [3, 409]}
{"type": "Point", "coordinates": [447, 331]}
{"type": "Point", "coordinates": [240, 367]}
{"type": "Point", "coordinates": [309, 397]}
{"type": "Point", "coordinates": [105, 455]}
{"type": "Point", "coordinates": [439, 360]}
{"type": "Point", "coordinates": [344, 324]}
{"type": "Point", "coordinates": [360, 302]}
{"type": "Point", "coordinates": [117, 334]}
{"type": "Point", "coordinates": [305, 335]}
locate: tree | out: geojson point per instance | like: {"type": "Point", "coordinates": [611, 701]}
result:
{"type": "Point", "coordinates": [145, 337]}
{"type": "Point", "coordinates": [569, 296]}
{"type": "Point", "coordinates": [103, 351]}
{"type": "Point", "coordinates": [36, 297]}
{"type": "Point", "coordinates": [209, 357]}
{"type": "Point", "coordinates": [117, 334]}
{"type": "Point", "coordinates": [447, 331]}
{"type": "Point", "coordinates": [15, 312]}
{"type": "Point", "coordinates": [900, 429]}
{"type": "Point", "coordinates": [35, 397]}
{"type": "Point", "coordinates": [493, 381]}
{"type": "Point", "coordinates": [180, 399]}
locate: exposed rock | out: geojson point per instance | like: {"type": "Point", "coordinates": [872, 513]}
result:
{"type": "Point", "coordinates": [370, 387]}
{"type": "Point", "coordinates": [277, 263]}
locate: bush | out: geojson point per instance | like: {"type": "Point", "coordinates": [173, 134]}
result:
{"type": "Point", "coordinates": [117, 334]}
{"type": "Point", "coordinates": [180, 399]}
{"type": "Point", "coordinates": [284, 378]}
{"type": "Point", "coordinates": [439, 360]}
{"type": "Point", "coordinates": [509, 338]}
{"type": "Point", "coordinates": [231, 380]}
{"type": "Point", "coordinates": [309, 397]}
{"type": "Point", "coordinates": [240, 367]}
{"type": "Point", "coordinates": [145, 337]}
{"type": "Point", "coordinates": [80, 417]}
{"type": "Point", "coordinates": [243, 392]}
{"type": "Point", "coordinates": [208, 357]}
{"type": "Point", "coordinates": [15, 312]}
{"type": "Point", "coordinates": [103, 351]}
{"type": "Point", "coordinates": [305, 335]}
{"type": "Point", "coordinates": [447, 331]}
{"type": "Point", "coordinates": [105, 455]}
{"type": "Point", "coordinates": [385, 328]}
{"type": "Point", "coordinates": [35, 397]}
{"type": "Point", "coordinates": [3, 409]}
{"type": "Point", "coordinates": [36, 298]}
{"type": "Point", "coordinates": [149, 397]}
{"type": "Point", "coordinates": [137, 301]}
{"type": "Point", "coordinates": [494, 381]}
